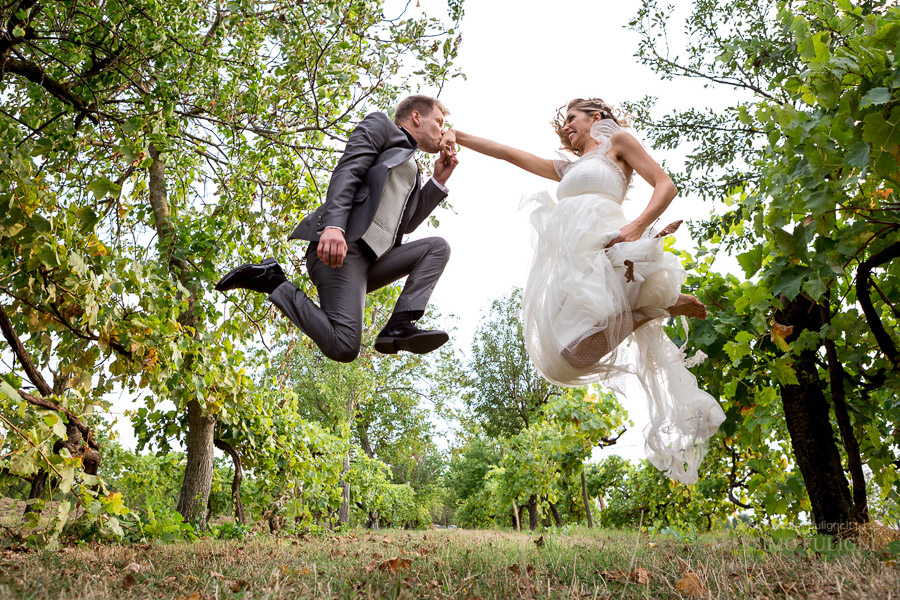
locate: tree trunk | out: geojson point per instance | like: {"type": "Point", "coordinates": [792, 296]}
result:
{"type": "Point", "coordinates": [516, 523]}
{"type": "Point", "coordinates": [344, 512]}
{"type": "Point", "coordinates": [848, 437]}
{"type": "Point", "coordinates": [532, 512]}
{"type": "Point", "coordinates": [556, 516]}
{"type": "Point", "coordinates": [236, 480]}
{"type": "Point", "coordinates": [38, 485]}
{"type": "Point", "coordinates": [587, 501]}
{"type": "Point", "coordinates": [812, 438]}
{"type": "Point", "coordinates": [198, 472]}
{"type": "Point", "coordinates": [201, 428]}
{"type": "Point", "coordinates": [363, 431]}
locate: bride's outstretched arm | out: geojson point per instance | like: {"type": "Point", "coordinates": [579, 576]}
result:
{"type": "Point", "coordinates": [627, 148]}
{"type": "Point", "coordinates": [520, 158]}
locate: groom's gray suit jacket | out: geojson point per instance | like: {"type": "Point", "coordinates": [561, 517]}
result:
{"type": "Point", "coordinates": [378, 164]}
{"type": "Point", "coordinates": [375, 147]}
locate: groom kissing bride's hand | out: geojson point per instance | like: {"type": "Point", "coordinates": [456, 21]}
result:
{"type": "Point", "coordinates": [375, 196]}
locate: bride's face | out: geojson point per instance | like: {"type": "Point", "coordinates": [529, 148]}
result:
{"type": "Point", "coordinates": [578, 128]}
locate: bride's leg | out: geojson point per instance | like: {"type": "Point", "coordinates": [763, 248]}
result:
{"type": "Point", "coordinates": [590, 350]}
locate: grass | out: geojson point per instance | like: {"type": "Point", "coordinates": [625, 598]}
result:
{"type": "Point", "coordinates": [462, 564]}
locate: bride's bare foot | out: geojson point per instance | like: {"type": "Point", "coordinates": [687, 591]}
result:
{"type": "Point", "coordinates": [688, 306]}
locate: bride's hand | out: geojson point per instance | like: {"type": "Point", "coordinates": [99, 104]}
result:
{"type": "Point", "coordinates": [628, 233]}
{"type": "Point", "coordinates": [448, 142]}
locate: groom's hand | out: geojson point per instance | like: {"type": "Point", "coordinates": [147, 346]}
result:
{"type": "Point", "coordinates": [444, 165]}
{"type": "Point", "coordinates": [332, 247]}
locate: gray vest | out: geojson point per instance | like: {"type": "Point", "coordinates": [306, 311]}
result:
{"type": "Point", "coordinates": [382, 233]}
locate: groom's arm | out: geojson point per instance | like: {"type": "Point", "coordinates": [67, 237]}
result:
{"type": "Point", "coordinates": [366, 142]}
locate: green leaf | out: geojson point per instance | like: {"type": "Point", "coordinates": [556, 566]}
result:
{"type": "Point", "coordinates": [59, 428]}
{"type": "Point", "coordinates": [876, 96]}
{"type": "Point", "coordinates": [22, 465]}
{"type": "Point", "coordinates": [858, 155]}
{"type": "Point", "coordinates": [68, 478]}
{"type": "Point", "coordinates": [751, 261]}
{"type": "Point", "coordinates": [47, 255]}
{"type": "Point", "coordinates": [87, 219]}
{"type": "Point", "coordinates": [784, 535]}
{"type": "Point", "coordinates": [788, 283]}
{"type": "Point", "coordinates": [99, 187]}
{"type": "Point", "coordinates": [783, 371]}
{"type": "Point", "coordinates": [9, 391]}
{"type": "Point", "coordinates": [880, 132]}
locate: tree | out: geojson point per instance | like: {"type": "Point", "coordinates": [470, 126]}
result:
{"type": "Point", "coordinates": [146, 145]}
{"type": "Point", "coordinates": [376, 402]}
{"type": "Point", "coordinates": [506, 388]}
{"type": "Point", "coordinates": [807, 163]}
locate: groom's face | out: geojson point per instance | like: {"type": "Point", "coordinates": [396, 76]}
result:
{"type": "Point", "coordinates": [427, 129]}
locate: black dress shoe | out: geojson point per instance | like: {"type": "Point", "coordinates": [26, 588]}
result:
{"type": "Point", "coordinates": [263, 278]}
{"type": "Point", "coordinates": [408, 337]}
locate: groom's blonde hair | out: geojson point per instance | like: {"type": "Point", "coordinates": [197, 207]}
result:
{"type": "Point", "coordinates": [420, 102]}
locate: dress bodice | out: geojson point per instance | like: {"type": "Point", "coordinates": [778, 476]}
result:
{"type": "Point", "coordinates": [593, 173]}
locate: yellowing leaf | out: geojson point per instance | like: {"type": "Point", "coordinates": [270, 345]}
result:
{"type": "Point", "coordinates": [691, 585]}
{"type": "Point", "coordinates": [641, 576]}
{"type": "Point", "coordinates": [779, 335]}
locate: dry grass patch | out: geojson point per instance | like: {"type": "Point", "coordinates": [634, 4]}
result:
{"type": "Point", "coordinates": [451, 564]}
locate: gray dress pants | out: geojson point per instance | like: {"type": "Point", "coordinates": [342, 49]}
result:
{"type": "Point", "coordinates": [336, 326]}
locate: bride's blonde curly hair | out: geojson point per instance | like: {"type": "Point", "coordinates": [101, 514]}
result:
{"type": "Point", "coordinates": [591, 106]}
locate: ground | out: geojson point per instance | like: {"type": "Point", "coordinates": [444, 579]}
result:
{"type": "Point", "coordinates": [464, 564]}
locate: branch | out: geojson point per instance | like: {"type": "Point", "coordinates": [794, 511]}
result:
{"type": "Point", "coordinates": [72, 419]}
{"type": "Point", "coordinates": [863, 296]}
{"type": "Point", "coordinates": [19, 350]}
{"type": "Point", "coordinates": [610, 441]}
{"type": "Point", "coordinates": [24, 437]}
{"type": "Point", "coordinates": [36, 75]}
{"type": "Point", "coordinates": [7, 40]}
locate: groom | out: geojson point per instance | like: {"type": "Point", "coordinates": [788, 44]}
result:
{"type": "Point", "coordinates": [375, 196]}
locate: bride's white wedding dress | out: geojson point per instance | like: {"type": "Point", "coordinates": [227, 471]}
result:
{"type": "Point", "coordinates": [578, 288]}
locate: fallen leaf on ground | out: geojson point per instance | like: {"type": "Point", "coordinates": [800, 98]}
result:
{"type": "Point", "coordinates": [422, 551]}
{"type": "Point", "coordinates": [614, 575]}
{"type": "Point", "coordinates": [539, 542]}
{"type": "Point", "coordinates": [395, 564]}
{"type": "Point", "coordinates": [238, 586]}
{"type": "Point", "coordinates": [128, 581]}
{"type": "Point", "coordinates": [515, 569]}
{"type": "Point", "coordinates": [216, 575]}
{"type": "Point", "coordinates": [641, 575]}
{"type": "Point", "coordinates": [336, 553]}
{"type": "Point", "coordinates": [132, 568]}
{"type": "Point", "coordinates": [691, 585]}
{"type": "Point", "coordinates": [194, 596]}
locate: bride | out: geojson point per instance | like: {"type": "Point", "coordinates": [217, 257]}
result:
{"type": "Point", "coordinates": [601, 286]}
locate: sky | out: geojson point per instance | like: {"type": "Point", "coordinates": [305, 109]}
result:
{"type": "Point", "coordinates": [523, 60]}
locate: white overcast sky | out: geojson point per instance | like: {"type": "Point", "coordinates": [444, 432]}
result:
{"type": "Point", "coordinates": [523, 60]}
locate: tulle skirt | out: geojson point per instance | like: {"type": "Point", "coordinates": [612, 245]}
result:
{"type": "Point", "coordinates": [582, 297]}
